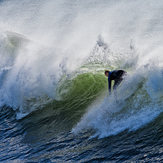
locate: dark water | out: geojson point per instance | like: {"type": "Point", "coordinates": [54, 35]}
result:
{"type": "Point", "coordinates": [54, 100]}
{"type": "Point", "coordinates": [50, 141]}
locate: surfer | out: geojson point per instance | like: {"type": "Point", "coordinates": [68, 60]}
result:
{"type": "Point", "coordinates": [116, 75]}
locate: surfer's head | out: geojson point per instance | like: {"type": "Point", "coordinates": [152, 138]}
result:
{"type": "Point", "coordinates": [107, 73]}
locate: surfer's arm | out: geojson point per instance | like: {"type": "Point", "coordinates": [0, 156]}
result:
{"type": "Point", "coordinates": [109, 84]}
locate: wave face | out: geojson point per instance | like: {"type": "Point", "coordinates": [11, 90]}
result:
{"type": "Point", "coordinates": [55, 53]}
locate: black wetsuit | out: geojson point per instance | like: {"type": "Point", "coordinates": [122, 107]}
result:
{"type": "Point", "coordinates": [117, 76]}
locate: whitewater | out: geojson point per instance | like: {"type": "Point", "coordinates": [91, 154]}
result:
{"type": "Point", "coordinates": [54, 99]}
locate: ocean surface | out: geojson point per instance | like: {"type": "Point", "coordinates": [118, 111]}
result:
{"type": "Point", "coordinates": [54, 99]}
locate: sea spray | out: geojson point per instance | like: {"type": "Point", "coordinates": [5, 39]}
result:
{"type": "Point", "coordinates": [41, 42]}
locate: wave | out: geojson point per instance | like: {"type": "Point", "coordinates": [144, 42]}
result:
{"type": "Point", "coordinates": [57, 59]}
{"type": "Point", "coordinates": [28, 84]}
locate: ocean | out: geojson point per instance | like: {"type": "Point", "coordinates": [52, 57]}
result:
{"type": "Point", "coordinates": [54, 99]}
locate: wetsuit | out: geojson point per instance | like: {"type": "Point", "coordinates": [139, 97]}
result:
{"type": "Point", "coordinates": [117, 76]}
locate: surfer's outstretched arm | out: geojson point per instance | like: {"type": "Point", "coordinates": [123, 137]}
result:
{"type": "Point", "coordinates": [109, 84]}
{"type": "Point", "coordinates": [108, 73]}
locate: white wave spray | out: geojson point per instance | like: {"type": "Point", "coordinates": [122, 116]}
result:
{"type": "Point", "coordinates": [42, 40]}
